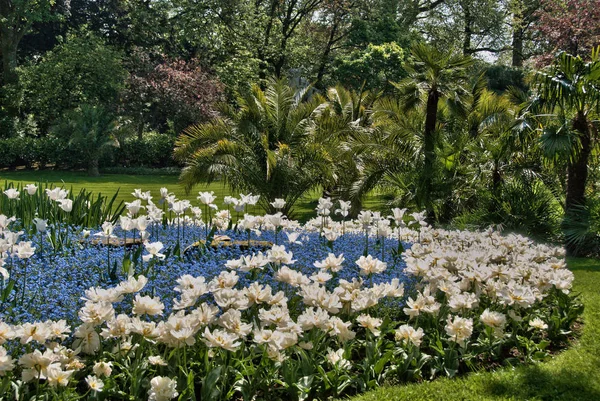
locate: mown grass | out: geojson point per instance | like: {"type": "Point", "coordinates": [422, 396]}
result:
{"type": "Point", "coordinates": [572, 375]}
{"type": "Point", "coordinates": [108, 184]}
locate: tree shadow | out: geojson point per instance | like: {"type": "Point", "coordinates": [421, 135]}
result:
{"type": "Point", "coordinates": [583, 264]}
{"type": "Point", "coordinates": [533, 382]}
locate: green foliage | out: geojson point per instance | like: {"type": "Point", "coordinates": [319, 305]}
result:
{"type": "Point", "coordinates": [410, 124]}
{"type": "Point", "coordinates": [39, 152]}
{"type": "Point", "coordinates": [16, 19]}
{"type": "Point", "coordinates": [472, 26]}
{"type": "Point", "coordinates": [582, 227]}
{"type": "Point", "coordinates": [83, 69]}
{"type": "Point", "coordinates": [528, 206]}
{"type": "Point", "coordinates": [568, 95]}
{"type": "Point", "coordinates": [153, 150]}
{"type": "Point", "coordinates": [388, 21]}
{"type": "Point", "coordinates": [90, 129]}
{"type": "Point", "coordinates": [17, 152]}
{"type": "Point", "coordinates": [266, 145]}
{"type": "Point", "coordinates": [371, 68]}
{"type": "Point", "coordinates": [501, 78]}
{"type": "Point", "coordinates": [89, 209]}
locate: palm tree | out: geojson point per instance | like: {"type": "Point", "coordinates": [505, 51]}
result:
{"type": "Point", "coordinates": [494, 119]}
{"type": "Point", "coordinates": [265, 145]}
{"type": "Point", "coordinates": [344, 117]}
{"type": "Point", "coordinates": [389, 152]}
{"type": "Point", "coordinates": [92, 130]}
{"type": "Point", "coordinates": [350, 106]}
{"type": "Point", "coordinates": [569, 91]}
{"type": "Point", "coordinates": [523, 191]}
{"type": "Point", "coordinates": [434, 77]}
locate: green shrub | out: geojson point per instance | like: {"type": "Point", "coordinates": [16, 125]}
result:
{"type": "Point", "coordinates": [17, 151]}
{"type": "Point", "coordinates": [153, 150]}
{"type": "Point", "coordinates": [175, 171]}
{"type": "Point", "coordinates": [501, 77]}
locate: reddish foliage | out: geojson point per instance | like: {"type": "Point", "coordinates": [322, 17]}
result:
{"type": "Point", "coordinates": [567, 25]}
{"type": "Point", "coordinates": [177, 90]}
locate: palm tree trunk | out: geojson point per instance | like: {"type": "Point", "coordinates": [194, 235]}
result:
{"type": "Point", "coordinates": [429, 150]}
{"type": "Point", "coordinates": [577, 173]}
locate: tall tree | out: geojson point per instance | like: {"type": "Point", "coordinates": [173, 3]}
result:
{"type": "Point", "coordinates": [336, 17]}
{"type": "Point", "coordinates": [434, 76]}
{"type": "Point", "coordinates": [83, 69]}
{"type": "Point", "coordinates": [281, 20]}
{"type": "Point", "coordinates": [569, 89]}
{"type": "Point", "coordinates": [471, 25]}
{"type": "Point", "coordinates": [170, 91]}
{"type": "Point", "coordinates": [16, 19]}
{"type": "Point", "coordinates": [523, 15]}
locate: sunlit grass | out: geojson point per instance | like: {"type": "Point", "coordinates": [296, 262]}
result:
{"type": "Point", "coordinates": [108, 184]}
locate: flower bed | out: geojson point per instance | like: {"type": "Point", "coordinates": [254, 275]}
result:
{"type": "Point", "coordinates": [331, 308]}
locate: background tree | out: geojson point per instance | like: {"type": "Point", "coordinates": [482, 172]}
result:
{"type": "Point", "coordinates": [572, 26]}
{"type": "Point", "coordinates": [469, 25]}
{"type": "Point", "coordinates": [81, 70]}
{"type": "Point", "coordinates": [170, 91]}
{"type": "Point", "coordinates": [91, 129]}
{"type": "Point", "coordinates": [523, 15]}
{"type": "Point", "coordinates": [373, 68]}
{"type": "Point", "coordinates": [16, 19]}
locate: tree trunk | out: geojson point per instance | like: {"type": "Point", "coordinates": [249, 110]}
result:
{"type": "Point", "coordinates": [517, 48]}
{"type": "Point", "coordinates": [494, 205]}
{"type": "Point", "coordinates": [140, 128]}
{"type": "Point", "coordinates": [278, 66]}
{"type": "Point", "coordinates": [468, 32]}
{"type": "Point", "coordinates": [429, 150]}
{"type": "Point", "coordinates": [262, 50]}
{"type": "Point", "coordinates": [9, 44]}
{"type": "Point", "coordinates": [577, 172]}
{"type": "Point", "coordinates": [518, 33]}
{"type": "Point", "coordinates": [496, 178]}
{"type": "Point", "coordinates": [280, 62]}
{"type": "Point", "coordinates": [93, 168]}
{"type": "Point", "coordinates": [325, 57]}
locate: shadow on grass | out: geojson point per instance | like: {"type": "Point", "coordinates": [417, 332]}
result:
{"type": "Point", "coordinates": [534, 382]}
{"type": "Point", "coordinates": [583, 264]}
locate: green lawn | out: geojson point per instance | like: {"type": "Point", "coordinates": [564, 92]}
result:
{"type": "Point", "coordinates": [108, 184]}
{"type": "Point", "coordinates": [572, 375]}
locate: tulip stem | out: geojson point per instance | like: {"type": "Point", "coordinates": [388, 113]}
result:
{"type": "Point", "coordinates": [24, 281]}
{"type": "Point", "coordinates": [108, 253]}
